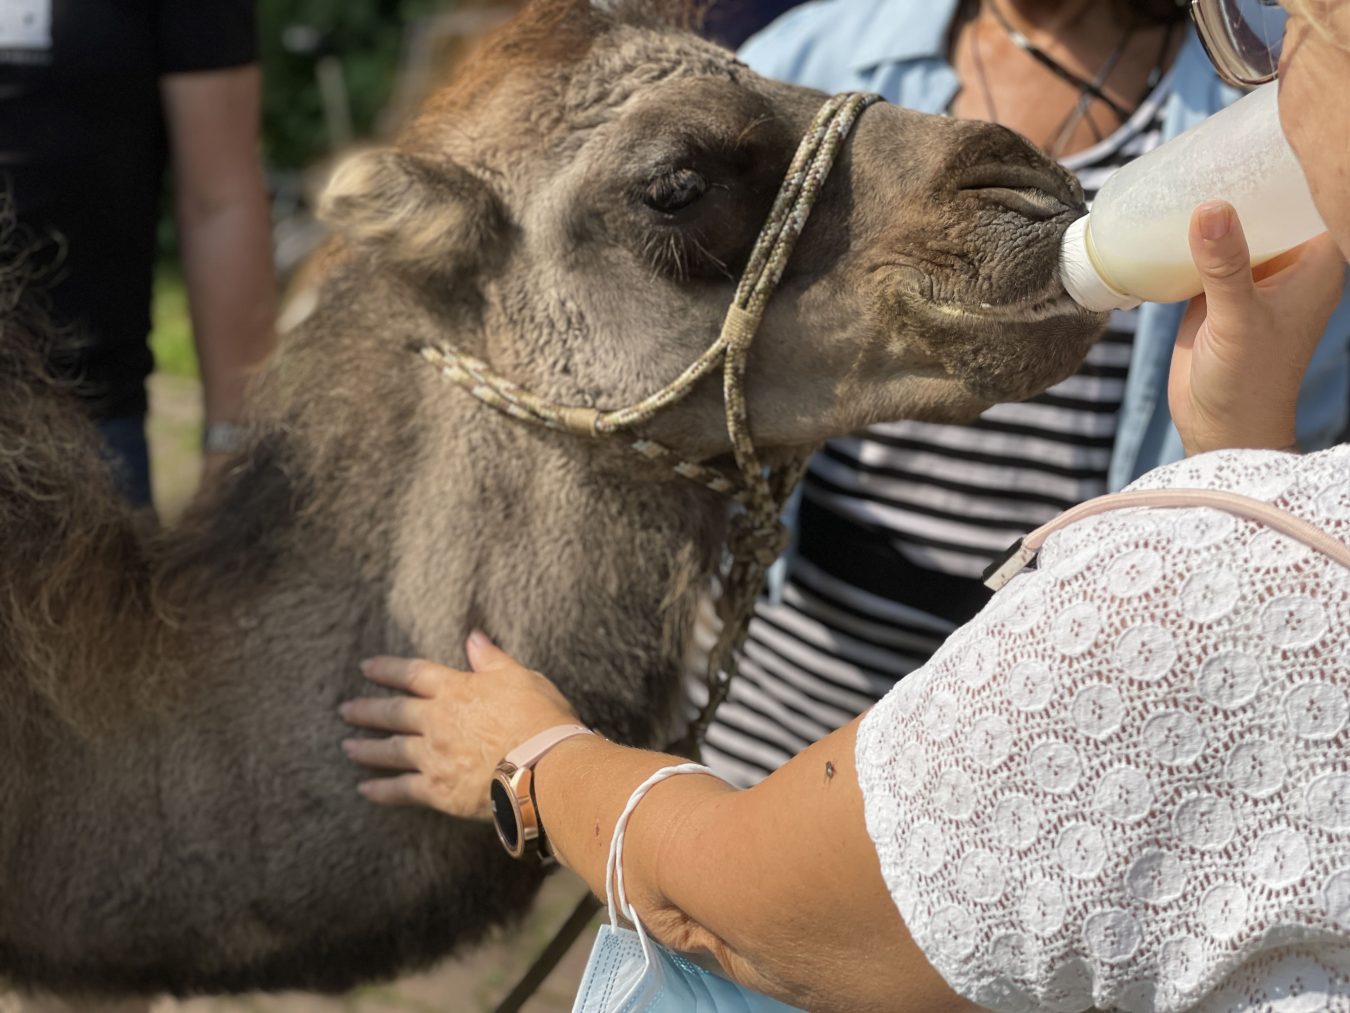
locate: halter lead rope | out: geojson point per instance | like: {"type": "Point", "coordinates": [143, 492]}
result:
{"type": "Point", "coordinates": [757, 536]}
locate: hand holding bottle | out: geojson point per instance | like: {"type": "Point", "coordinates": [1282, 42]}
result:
{"type": "Point", "coordinates": [1245, 344]}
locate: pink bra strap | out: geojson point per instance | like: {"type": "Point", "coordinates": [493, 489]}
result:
{"type": "Point", "coordinates": [1024, 550]}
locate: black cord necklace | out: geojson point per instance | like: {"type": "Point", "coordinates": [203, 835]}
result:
{"type": "Point", "coordinates": [1089, 88]}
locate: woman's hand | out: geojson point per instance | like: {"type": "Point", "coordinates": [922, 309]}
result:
{"type": "Point", "coordinates": [450, 729]}
{"type": "Point", "coordinates": [1245, 344]}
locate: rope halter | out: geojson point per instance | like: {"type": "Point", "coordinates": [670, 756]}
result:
{"type": "Point", "coordinates": [757, 536]}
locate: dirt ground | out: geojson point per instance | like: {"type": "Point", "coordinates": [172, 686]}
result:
{"type": "Point", "coordinates": [475, 982]}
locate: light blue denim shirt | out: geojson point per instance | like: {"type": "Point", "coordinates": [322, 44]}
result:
{"type": "Point", "coordinates": [897, 48]}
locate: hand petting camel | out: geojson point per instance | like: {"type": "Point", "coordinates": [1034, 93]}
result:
{"type": "Point", "coordinates": [573, 210]}
{"type": "Point", "coordinates": [427, 727]}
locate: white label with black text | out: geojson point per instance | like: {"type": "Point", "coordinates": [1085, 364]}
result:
{"type": "Point", "coordinates": [25, 24]}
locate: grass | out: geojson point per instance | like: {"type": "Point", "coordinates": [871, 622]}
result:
{"type": "Point", "coordinates": [171, 337]}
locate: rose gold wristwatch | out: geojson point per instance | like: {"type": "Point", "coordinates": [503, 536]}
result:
{"type": "Point", "coordinates": [514, 813]}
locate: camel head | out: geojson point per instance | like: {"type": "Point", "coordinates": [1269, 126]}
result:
{"type": "Point", "coordinates": [581, 201]}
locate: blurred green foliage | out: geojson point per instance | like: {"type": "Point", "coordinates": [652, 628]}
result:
{"type": "Point", "coordinates": [368, 37]}
{"type": "Point", "coordinates": [171, 339]}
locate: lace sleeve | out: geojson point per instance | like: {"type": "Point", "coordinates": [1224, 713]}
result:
{"type": "Point", "coordinates": [1126, 783]}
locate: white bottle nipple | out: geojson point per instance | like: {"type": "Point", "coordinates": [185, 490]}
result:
{"type": "Point", "coordinates": [1082, 279]}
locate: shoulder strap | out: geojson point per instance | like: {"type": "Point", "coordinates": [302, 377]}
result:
{"type": "Point", "coordinates": [1024, 550]}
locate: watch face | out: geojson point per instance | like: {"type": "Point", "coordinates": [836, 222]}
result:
{"type": "Point", "coordinates": [504, 816]}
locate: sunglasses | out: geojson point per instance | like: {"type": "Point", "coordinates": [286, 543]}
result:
{"type": "Point", "coordinates": [1242, 37]}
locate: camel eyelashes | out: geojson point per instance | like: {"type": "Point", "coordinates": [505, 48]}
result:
{"type": "Point", "coordinates": [674, 191]}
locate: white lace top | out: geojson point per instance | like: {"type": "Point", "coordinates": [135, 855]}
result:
{"type": "Point", "coordinates": [1126, 783]}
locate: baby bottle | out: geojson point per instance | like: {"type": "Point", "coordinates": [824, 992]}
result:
{"type": "Point", "coordinates": [1133, 247]}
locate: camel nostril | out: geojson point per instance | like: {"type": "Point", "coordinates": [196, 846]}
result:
{"type": "Point", "coordinates": [1037, 205]}
{"type": "Point", "coordinates": [1036, 193]}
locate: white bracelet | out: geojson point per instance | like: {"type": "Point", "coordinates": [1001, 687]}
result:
{"type": "Point", "coordinates": [614, 888]}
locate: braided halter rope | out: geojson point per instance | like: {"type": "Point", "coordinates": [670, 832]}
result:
{"type": "Point", "coordinates": [757, 535]}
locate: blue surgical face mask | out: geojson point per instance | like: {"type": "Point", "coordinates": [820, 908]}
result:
{"type": "Point", "coordinates": [630, 973]}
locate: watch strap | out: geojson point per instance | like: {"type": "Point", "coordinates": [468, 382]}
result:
{"type": "Point", "coordinates": [529, 752]}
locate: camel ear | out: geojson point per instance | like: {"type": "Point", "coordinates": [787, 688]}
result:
{"type": "Point", "coordinates": [430, 215]}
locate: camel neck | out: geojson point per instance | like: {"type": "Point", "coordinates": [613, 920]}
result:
{"type": "Point", "coordinates": [554, 551]}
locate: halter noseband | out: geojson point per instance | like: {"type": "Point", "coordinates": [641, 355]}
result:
{"type": "Point", "coordinates": [757, 536]}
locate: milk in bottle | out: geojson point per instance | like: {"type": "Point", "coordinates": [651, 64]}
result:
{"type": "Point", "coordinates": [1133, 247]}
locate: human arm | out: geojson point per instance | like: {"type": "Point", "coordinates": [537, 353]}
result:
{"type": "Point", "coordinates": [1056, 798]}
{"type": "Point", "coordinates": [224, 230]}
{"type": "Point", "coordinates": [780, 883]}
{"type": "Point", "coordinates": [1245, 344]}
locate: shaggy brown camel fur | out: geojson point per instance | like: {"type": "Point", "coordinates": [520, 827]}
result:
{"type": "Point", "coordinates": [176, 812]}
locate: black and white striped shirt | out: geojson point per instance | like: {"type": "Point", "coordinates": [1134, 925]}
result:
{"type": "Point", "coordinates": [898, 522]}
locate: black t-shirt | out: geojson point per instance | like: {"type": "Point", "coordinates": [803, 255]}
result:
{"type": "Point", "coordinates": [731, 22]}
{"type": "Point", "coordinates": [84, 147]}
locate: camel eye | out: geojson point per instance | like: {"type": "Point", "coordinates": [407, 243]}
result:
{"type": "Point", "coordinates": [674, 191]}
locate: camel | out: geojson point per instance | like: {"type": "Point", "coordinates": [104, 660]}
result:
{"type": "Point", "coordinates": [572, 208]}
